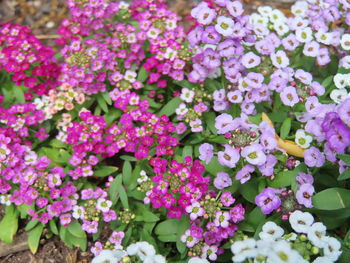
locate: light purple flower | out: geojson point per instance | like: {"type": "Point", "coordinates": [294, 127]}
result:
{"type": "Point", "coordinates": [211, 59]}
{"type": "Point", "coordinates": [289, 96]}
{"type": "Point", "coordinates": [206, 151]}
{"type": "Point", "coordinates": [235, 96]}
{"type": "Point", "coordinates": [267, 200]}
{"type": "Point", "coordinates": [311, 49]}
{"type": "Point", "coordinates": [224, 123]}
{"type": "Point", "coordinates": [344, 111]}
{"type": "Point", "coordinates": [226, 48]}
{"type": "Point", "coordinates": [267, 169]}
{"type": "Point", "coordinates": [229, 157]}
{"type": "Point", "coordinates": [235, 8]}
{"type": "Point", "coordinates": [196, 125]}
{"type": "Point", "coordinates": [303, 76]}
{"type": "Point", "coordinates": [224, 26]}
{"type": "Point", "coordinates": [195, 36]}
{"type": "Point", "coordinates": [206, 15]}
{"type": "Point", "coordinates": [313, 157]}
{"type": "Point", "coordinates": [304, 195]}
{"type": "Point", "coordinates": [304, 178]}
{"type": "Point", "coordinates": [254, 154]}
{"type": "Point", "coordinates": [250, 60]}
{"type": "Point", "coordinates": [210, 35]}
{"type": "Point", "coordinates": [222, 180]}
{"type": "Point", "coordinates": [244, 174]}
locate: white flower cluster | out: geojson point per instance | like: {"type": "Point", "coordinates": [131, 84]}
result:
{"type": "Point", "coordinates": [303, 222]}
{"type": "Point", "coordinates": [342, 82]}
{"type": "Point", "coordinates": [275, 247]}
{"type": "Point", "coordinates": [143, 250]}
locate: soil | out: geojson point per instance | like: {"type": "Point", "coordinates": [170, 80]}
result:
{"type": "Point", "coordinates": [43, 17]}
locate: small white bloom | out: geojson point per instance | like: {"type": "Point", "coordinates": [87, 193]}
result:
{"type": "Point", "coordinates": [280, 59]}
{"type": "Point", "coordinates": [187, 95]}
{"type": "Point", "coordinates": [265, 10]}
{"type": "Point", "coordinates": [316, 234]}
{"type": "Point", "coordinates": [105, 256]}
{"type": "Point", "coordinates": [141, 249]}
{"type": "Point", "coordinates": [182, 109]}
{"type": "Point", "coordinates": [276, 16]}
{"type": "Point", "coordinates": [170, 24]}
{"type": "Point", "coordinates": [123, 5]}
{"type": "Point", "coordinates": [332, 248]}
{"type": "Point", "coordinates": [281, 28]}
{"type": "Point", "coordinates": [345, 42]}
{"type": "Point", "coordinates": [339, 95]}
{"type": "Point", "coordinates": [271, 231]}
{"type": "Point", "coordinates": [170, 54]}
{"type": "Point", "coordinates": [341, 81]}
{"type": "Point", "coordinates": [322, 260]}
{"type": "Point", "coordinates": [283, 253]}
{"type": "Point", "coordinates": [299, 8]}
{"type": "Point", "coordinates": [154, 259]}
{"type": "Point", "coordinates": [78, 212]}
{"type": "Point", "coordinates": [304, 35]}
{"type": "Point", "coordinates": [323, 37]}
{"type": "Point", "coordinates": [198, 260]}
{"type": "Point", "coordinates": [4, 199]}
{"type": "Point", "coordinates": [258, 19]}
{"type": "Point", "coordinates": [153, 33]}
{"type": "Point", "coordinates": [302, 139]}
{"type": "Point", "coordinates": [130, 76]}
{"type": "Point", "coordinates": [103, 204]}
{"type": "Point", "coordinates": [301, 221]}
{"type": "Point", "coordinates": [244, 249]}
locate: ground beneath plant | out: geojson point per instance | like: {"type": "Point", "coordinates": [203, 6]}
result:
{"type": "Point", "coordinates": [43, 17]}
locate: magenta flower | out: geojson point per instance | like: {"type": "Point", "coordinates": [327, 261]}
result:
{"type": "Point", "coordinates": [227, 199]}
{"type": "Point", "coordinates": [237, 213]}
{"type": "Point", "coordinates": [267, 200]}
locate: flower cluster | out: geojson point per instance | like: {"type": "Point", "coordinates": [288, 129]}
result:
{"type": "Point", "coordinates": [27, 60]}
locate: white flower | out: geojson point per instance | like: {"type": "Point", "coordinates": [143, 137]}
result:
{"type": "Point", "coordinates": [280, 59]}
{"type": "Point", "coordinates": [78, 212]}
{"type": "Point", "coordinates": [302, 139]}
{"type": "Point", "coordinates": [130, 76]}
{"type": "Point", "coordinates": [341, 81]}
{"type": "Point", "coordinates": [345, 62]}
{"type": "Point", "coordinates": [265, 10]}
{"type": "Point", "coordinates": [4, 199]}
{"type": "Point", "coordinates": [170, 24]}
{"type": "Point", "coordinates": [345, 42]}
{"type": "Point", "coordinates": [105, 256]}
{"type": "Point", "coordinates": [339, 95]}
{"type": "Point", "coordinates": [282, 252]}
{"type": "Point", "coordinates": [154, 259]}
{"type": "Point", "coordinates": [304, 35]}
{"type": "Point", "coordinates": [264, 247]}
{"type": "Point", "coordinates": [299, 8]}
{"type": "Point", "coordinates": [276, 16]}
{"type": "Point", "coordinates": [123, 5]}
{"type": "Point", "coordinates": [301, 221]}
{"type": "Point", "coordinates": [170, 54]}
{"type": "Point", "coordinates": [198, 260]}
{"type": "Point", "coordinates": [141, 249]}
{"type": "Point", "coordinates": [187, 95]}
{"type": "Point", "coordinates": [224, 25]}
{"type": "Point", "coordinates": [244, 249]}
{"type": "Point", "coordinates": [153, 32]}
{"type": "Point", "coordinates": [182, 109]}
{"type": "Point", "coordinates": [103, 204]}
{"type": "Point", "coordinates": [332, 248]}
{"type": "Point", "coordinates": [316, 234]}
{"type": "Point", "coordinates": [281, 28]}
{"type": "Point", "coordinates": [322, 260]}
{"type": "Point", "coordinates": [258, 19]}
{"type": "Point", "coordinates": [323, 37]}
{"type": "Point", "coordinates": [271, 231]}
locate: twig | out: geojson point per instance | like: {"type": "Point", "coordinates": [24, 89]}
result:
{"type": "Point", "coordinates": [48, 36]}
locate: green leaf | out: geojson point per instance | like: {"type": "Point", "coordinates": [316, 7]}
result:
{"type": "Point", "coordinates": [102, 103]}
{"type": "Point", "coordinates": [170, 107]}
{"type": "Point", "coordinates": [285, 128]}
{"type": "Point", "coordinates": [9, 224]}
{"type": "Point", "coordinates": [116, 189]}
{"type": "Point", "coordinates": [147, 216]}
{"type": "Point", "coordinates": [34, 238]}
{"type": "Point", "coordinates": [286, 178]}
{"type": "Point", "coordinates": [209, 118]}
{"type": "Point", "coordinates": [345, 175]}
{"type": "Point", "coordinates": [128, 158]}
{"type": "Point", "coordinates": [249, 190]}
{"type": "Point", "coordinates": [332, 199]}
{"type": "Point", "coordinates": [142, 75]}
{"type": "Point", "coordinates": [327, 81]}
{"type": "Point", "coordinates": [31, 225]}
{"type": "Point", "coordinates": [344, 157]}
{"type": "Point", "coordinates": [19, 94]}
{"type": "Point", "coordinates": [107, 98]}
{"type": "Point", "coordinates": [75, 229]}
{"type": "Point", "coordinates": [214, 166]}
{"type": "Point", "coordinates": [53, 227]}
{"type": "Point", "coordinates": [127, 172]}
{"type": "Point", "coordinates": [105, 171]}
{"type": "Point", "coordinates": [112, 115]}
{"type": "Point", "coordinates": [187, 151]}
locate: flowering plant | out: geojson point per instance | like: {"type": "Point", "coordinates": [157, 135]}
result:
{"type": "Point", "coordinates": [140, 141]}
